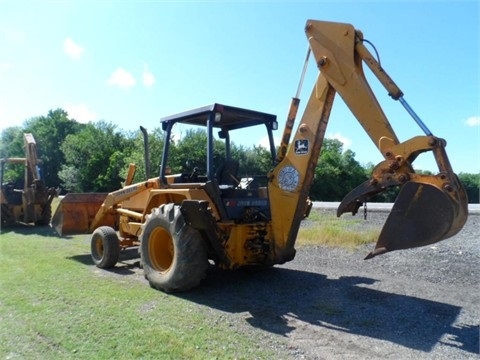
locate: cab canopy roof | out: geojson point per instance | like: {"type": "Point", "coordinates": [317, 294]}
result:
{"type": "Point", "coordinates": [229, 117]}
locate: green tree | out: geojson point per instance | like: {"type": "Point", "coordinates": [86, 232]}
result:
{"type": "Point", "coordinates": [253, 162]}
{"type": "Point", "coordinates": [11, 142]}
{"type": "Point", "coordinates": [189, 152]}
{"type": "Point", "coordinates": [94, 158]}
{"type": "Point", "coordinates": [49, 132]}
{"type": "Point", "coordinates": [471, 182]}
{"type": "Point", "coordinates": [336, 173]}
{"type": "Point", "coordinates": [135, 154]}
{"type": "Point", "coordinates": [11, 145]}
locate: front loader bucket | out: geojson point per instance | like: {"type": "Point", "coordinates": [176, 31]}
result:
{"type": "Point", "coordinates": [423, 214]}
{"type": "Point", "coordinates": [76, 212]}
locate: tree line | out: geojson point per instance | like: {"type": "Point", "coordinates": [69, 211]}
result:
{"type": "Point", "coordinates": [94, 157]}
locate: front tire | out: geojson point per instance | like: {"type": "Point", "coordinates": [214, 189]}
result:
{"type": "Point", "coordinates": [105, 247]}
{"type": "Point", "coordinates": [173, 253]}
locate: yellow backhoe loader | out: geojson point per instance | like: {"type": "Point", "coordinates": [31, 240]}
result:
{"type": "Point", "coordinates": [183, 221]}
{"type": "Point", "coordinates": [26, 200]}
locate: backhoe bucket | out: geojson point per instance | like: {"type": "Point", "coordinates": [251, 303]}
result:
{"type": "Point", "coordinates": [423, 214]}
{"type": "Point", "coordinates": [76, 212]}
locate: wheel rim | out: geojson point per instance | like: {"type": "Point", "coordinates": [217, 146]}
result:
{"type": "Point", "coordinates": [160, 249]}
{"type": "Point", "coordinates": [98, 246]}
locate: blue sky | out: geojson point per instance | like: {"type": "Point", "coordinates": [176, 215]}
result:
{"type": "Point", "coordinates": [133, 62]}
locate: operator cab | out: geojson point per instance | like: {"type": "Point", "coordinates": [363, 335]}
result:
{"type": "Point", "coordinates": [219, 122]}
{"type": "Point", "coordinates": [219, 172]}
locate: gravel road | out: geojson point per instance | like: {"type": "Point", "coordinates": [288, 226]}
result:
{"type": "Point", "coordinates": [331, 304]}
{"type": "Point", "coordinates": [328, 303]}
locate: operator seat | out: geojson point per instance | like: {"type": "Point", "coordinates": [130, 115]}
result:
{"type": "Point", "coordinates": [227, 173]}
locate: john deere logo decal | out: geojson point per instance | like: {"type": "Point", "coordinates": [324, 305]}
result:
{"type": "Point", "coordinates": [301, 147]}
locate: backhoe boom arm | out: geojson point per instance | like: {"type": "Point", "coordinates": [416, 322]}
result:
{"type": "Point", "coordinates": [339, 53]}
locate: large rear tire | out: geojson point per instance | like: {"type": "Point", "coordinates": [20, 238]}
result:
{"type": "Point", "coordinates": [173, 253]}
{"type": "Point", "coordinates": [105, 247]}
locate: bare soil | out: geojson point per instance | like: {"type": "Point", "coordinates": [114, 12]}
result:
{"type": "Point", "coordinates": [329, 303]}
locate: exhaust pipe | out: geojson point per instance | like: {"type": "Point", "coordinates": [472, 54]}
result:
{"type": "Point", "coordinates": [146, 152]}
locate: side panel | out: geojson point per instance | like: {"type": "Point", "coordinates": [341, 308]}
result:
{"type": "Point", "coordinates": [250, 245]}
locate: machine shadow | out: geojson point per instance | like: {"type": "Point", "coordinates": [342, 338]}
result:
{"type": "Point", "coordinates": [28, 229]}
{"type": "Point", "coordinates": [128, 262]}
{"type": "Point", "coordinates": [274, 297]}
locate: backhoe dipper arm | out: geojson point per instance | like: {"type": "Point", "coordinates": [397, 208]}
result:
{"type": "Point", "coordinates": [32, 159]}
{"type": "Point", "coordinates": [339, 53]}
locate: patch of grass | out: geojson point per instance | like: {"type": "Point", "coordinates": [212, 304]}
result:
{"type": "Point", "coordinates": [324, 228]}
{"type": "Point", "coordinates": [54, 306]}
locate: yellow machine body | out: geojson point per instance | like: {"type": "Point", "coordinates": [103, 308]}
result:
{"type": "Point", "coordinates": [181, 221]}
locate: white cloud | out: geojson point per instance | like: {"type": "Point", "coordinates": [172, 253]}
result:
{"type": "Point", "coordinates": [121, 78]}
{"type": "Point", "coordinates": [72, 49]}
{"type": "Point", "coordinates": [345, 141]}
{"type": "Point", "coordinates": [473, 121]}
{"type": "Point", "coordinates": [80, 112]}
{"type": "Point", "coordinates": [148, 77]}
